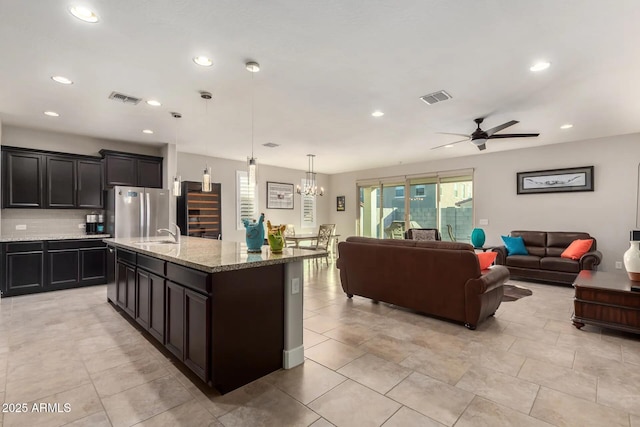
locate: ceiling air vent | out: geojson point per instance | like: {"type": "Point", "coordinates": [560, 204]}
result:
{"type": "Point", "coordinates": [271, 145]}
{"type": "Point", "coordinates": [434, 97]}
{"type": "Point", "coordinates": [124, 98]}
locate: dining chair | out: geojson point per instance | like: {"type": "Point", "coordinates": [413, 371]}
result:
{"type": "Point", "coordinates": [422, 234]}
{"type": "Point", "coordinates": [325, 234]}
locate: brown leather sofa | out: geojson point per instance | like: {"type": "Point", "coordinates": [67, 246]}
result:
{"type": "Point", "coordinates": [442, 279]}
{"type": "Point", "coordinates": [544, 261]}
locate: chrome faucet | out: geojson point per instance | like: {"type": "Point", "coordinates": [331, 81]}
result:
{"type": "Point", "coordinates": [176, 235]}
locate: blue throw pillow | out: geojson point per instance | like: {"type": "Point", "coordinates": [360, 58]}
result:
{"type": "Point", "coordinates": [514, 245]}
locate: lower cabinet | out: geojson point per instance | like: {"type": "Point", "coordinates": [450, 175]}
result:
{"type": "Point", "coordinates": [196, 346]}
{"type": "Point", "coordinates": [150, 303]}
{"type": "Point", "coordinates": [126, 285]}
{"type": "Point", "coordinates": [175, 319]}
{"type": "Point", "coordinates": [23, 270]}
{"type": "Point", "coordinates": [63, 268]}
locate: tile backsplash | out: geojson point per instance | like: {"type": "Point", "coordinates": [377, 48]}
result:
{"type": "Point", "coordinates": [42, 221]}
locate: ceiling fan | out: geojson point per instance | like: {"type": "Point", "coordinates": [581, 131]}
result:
{"type": "Point", "coordinates": [479, 137]}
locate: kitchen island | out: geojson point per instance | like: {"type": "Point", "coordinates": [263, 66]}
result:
{"type": "Point", "coordinates": [228, 315]}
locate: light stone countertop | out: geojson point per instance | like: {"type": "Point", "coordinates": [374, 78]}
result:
{"type": "Point", "coordinates": [210, 255]}
{"type": "Point", "coordinates": [35, 238]}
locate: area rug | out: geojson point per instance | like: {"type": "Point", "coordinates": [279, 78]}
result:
{"type": "Point", "coordinates": [513, 292]}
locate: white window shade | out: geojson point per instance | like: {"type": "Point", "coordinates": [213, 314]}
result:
{"type": "Point", "coordinates": [307, 210]}
{"type": "Point", "coordinates": [246, 199]}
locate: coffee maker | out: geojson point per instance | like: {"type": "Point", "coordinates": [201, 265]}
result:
{"type": "Point", "coordinates": [91, 223]}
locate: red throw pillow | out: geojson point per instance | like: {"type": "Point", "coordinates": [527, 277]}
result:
{"type": "Point", "coordinates": [577, 248]}
{"type": "Point", "coordinates": [486, 259]}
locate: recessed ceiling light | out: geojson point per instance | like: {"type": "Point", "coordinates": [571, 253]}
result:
{"type": "Point", "coordinates": [539, 66]}
{"type": "Point", "coordinates": [51, 114]}
{"type": "Point", "coordinates": [154, 103]}
{"type": "Point", "coordinates": [61, 80]}
{"type": "Point", "coordinates": [448, 146]}
{"type": "Point", "coordinates": [84, 14]}
{"type": "Point", "coordinates": [203, 60]}
{"type": "Point", "coordinates": [377, 113]}
{"type": "Point", "coordinates": [252, 66]}
{"type": "Point", "coordinates": [566, 126]}
{"type": "Point", "coordinates": [148, 131]}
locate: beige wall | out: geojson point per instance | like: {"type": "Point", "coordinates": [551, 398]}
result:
{"type": "Point", "coordinates": [190, 167]}
{"type": "Point", "coordinates": [608, 213]}
{"type": "Point", "coordinates": [69, 143]}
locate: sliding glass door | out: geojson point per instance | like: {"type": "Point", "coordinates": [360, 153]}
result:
{"type": "Point", "coordinates": [389, 207]}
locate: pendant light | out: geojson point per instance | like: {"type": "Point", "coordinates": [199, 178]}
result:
{"type": "Point", "coordinates": [177, 181]}
{"type": "Point", "coordinates": [252, 67]}
{"type": "Point", "coordinates": [310, 187]}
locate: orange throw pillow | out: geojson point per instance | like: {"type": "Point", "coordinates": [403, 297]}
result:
{"type": "Point", "coordinates": [577, 248]}
{"type": "Point", "coordinates": [486, 259]}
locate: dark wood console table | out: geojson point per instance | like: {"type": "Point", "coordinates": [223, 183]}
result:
{"type": "Point", "coordinates": [606, 300]}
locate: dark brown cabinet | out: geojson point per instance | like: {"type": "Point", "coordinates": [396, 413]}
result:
{"type": "Point", "coordinates": [93, 264]}
{"type": "Point", "coordinates": [196, 346]}
{"type": "Point", "coordinates": [126, 286]}
{"type": "Point", "coordinates": [22, 179]}
{"type": "Point", "coordinates": [63, 268]}
{"type": "Point", "coordinates": [156, 307]}
{"type": "Point", "coordinates": [23, 269]}
{"type": "Point", "coordinates": [43, 179]}
{"type": "Point", "coordinates": [143, 288]}
{"type": "Point", "coordinates": [132, 169]}
{"type": "Point", "coordinates": [90, 184]}
{"type": "Point", "coordinates": [174, 314]}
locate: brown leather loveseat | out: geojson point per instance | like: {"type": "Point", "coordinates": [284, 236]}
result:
{"type": "Point", "coordinates": [442, 279]}
{"type": "Point", "coordinates": [544, 261]}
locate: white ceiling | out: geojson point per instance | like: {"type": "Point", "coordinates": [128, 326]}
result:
{"type": "Point", "coordinates": [326, 65]}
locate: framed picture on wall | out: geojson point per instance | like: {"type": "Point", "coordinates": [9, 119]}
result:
{"type": "Point", "coordinates": [340, 203]}
{"type": "Point", "coordinates": [279, 195]}
{"type": "Point", "coordinates": [556, 180]}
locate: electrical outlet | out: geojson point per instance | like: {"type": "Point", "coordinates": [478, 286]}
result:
{"type": "Point", "coordinates": [483, 222]}
{"type": "Point", "coordinates": [21, 227]}
{"type": "Point", "coordinates": [81, 225]}
{"type": "Point", "coordinates": [618, 265]}
{"type": "Point", "coordinates": [295, 286]}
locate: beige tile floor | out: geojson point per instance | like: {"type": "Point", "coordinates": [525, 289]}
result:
{"type": "Point", "coordinates": [367, 365]}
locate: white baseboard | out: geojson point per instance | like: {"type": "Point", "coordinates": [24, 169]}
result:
{"type": "Point", "coordinates": [292, 358]}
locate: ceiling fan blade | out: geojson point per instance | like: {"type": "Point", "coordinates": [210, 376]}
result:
{"type": "Point", "coordinates": [514, 135]}
{"type": "Point", "coordinates": [450, 143]}
{"type": "Point", "coordinates": [502, 126]}
{"type": "Point", "coordinates": [457, 134]}
{"type": "Point", "coordinates": [482, 147]}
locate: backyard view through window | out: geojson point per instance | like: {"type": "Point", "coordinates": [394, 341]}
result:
{"type": "Point", "coordinates": [389, 207]}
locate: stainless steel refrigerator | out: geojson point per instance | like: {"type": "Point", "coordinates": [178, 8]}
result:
{"type": "Point", "coordinates": [137, 212]}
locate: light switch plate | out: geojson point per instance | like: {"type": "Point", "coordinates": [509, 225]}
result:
{"type": "Point", "coordinates": [21, 227]}
{"type": "Point", "coordinates": [295, 286]}
{"type": "Point", "coordinates": [483, 222]}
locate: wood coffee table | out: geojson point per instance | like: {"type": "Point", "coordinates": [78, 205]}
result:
{"type": "Point", "coordinates": [606, 300]}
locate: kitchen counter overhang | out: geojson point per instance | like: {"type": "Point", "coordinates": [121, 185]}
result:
{"type": "Point", "coordinates": [228, 315]}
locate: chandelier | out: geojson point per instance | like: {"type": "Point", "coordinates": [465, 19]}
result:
{"type": "Point", "coordinates": [310, 187]}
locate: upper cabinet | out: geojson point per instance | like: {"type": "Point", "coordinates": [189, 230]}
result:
{"type": "Point", "coordinates": [41, 179]}
{"type": "Point", "coordinates": [132, 169]}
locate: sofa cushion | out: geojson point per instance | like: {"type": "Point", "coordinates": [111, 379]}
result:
{"type": "Point", "coordinates": [486, 259]}
{"type": "Point", "coordinates": [524, 261]}
{"type": "Point", "coordinates": [577, 248]}
{"type": "Point", "coordinates": [558, 241]}
{"type": "Point", "coordinates": [534, 241]}
{"type": "Point", "coordinates": [559, 264]}
{"type": "Point", "coordinates": [514, 245]}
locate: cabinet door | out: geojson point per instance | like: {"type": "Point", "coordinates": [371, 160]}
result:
{"type": "Point", "coordinates": [156, 307]}
{"type": "Point", "coordinates": [143, 289]}
{"type": "Point", "coordinates": [61, 182]}
{"type": "Point", "coordinates": [62, 268]}
{"type": "Point", "coordinates": [196, 350]}
{"type": "Point", "coordinates": [93, 266]}
{"type": "Point", "coordinates": [24, 272]}
{"type": "Point", "coordinates": [121, 284]}
{"type": "Point", "coordinates": [174, 321]}
{"type": "Point", "coordinates": [120, 171]}
{"type": "Point", "coordinates": [23, 180]}
{"type": "Point", "coordinates": [149, 173]}
{"type": "Point", "coordinates": [90, 194]}
{"type": "Point", "coordinates": [130, 307]}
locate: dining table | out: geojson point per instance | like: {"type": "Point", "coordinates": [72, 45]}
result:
{"type": "Point", "coordinates": [312, 237]}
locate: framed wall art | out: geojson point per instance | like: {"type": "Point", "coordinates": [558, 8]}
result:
{"type": "Point", "coordinates": [340, 200]}
{"type": "Point", "coordinates": [556, 180]}
{"type": "Point", "coordinates": [279, 195]}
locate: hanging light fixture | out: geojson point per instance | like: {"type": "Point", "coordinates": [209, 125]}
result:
{"type": "Point", "coordinates": [310, 186]}
{"type": "Point", "coordinates": [177, 181]}
{"type": "Point", "coordinates": [252, 67]}
{"type": "Point", "coordinates": [206, 179]}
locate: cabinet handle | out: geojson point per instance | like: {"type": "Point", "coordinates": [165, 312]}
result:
{"type": "Point", "coordinates": [111, 250]}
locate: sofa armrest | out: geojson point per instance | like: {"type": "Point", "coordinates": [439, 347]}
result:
{"type": "Point", "coordinates": [493, 278]}
{"type": "Point", "coordinates": [501, 259]}
{"type": "Point", "coordinates": [590, 260]}
{"type": "Point", "coordinates": [484, 295]}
